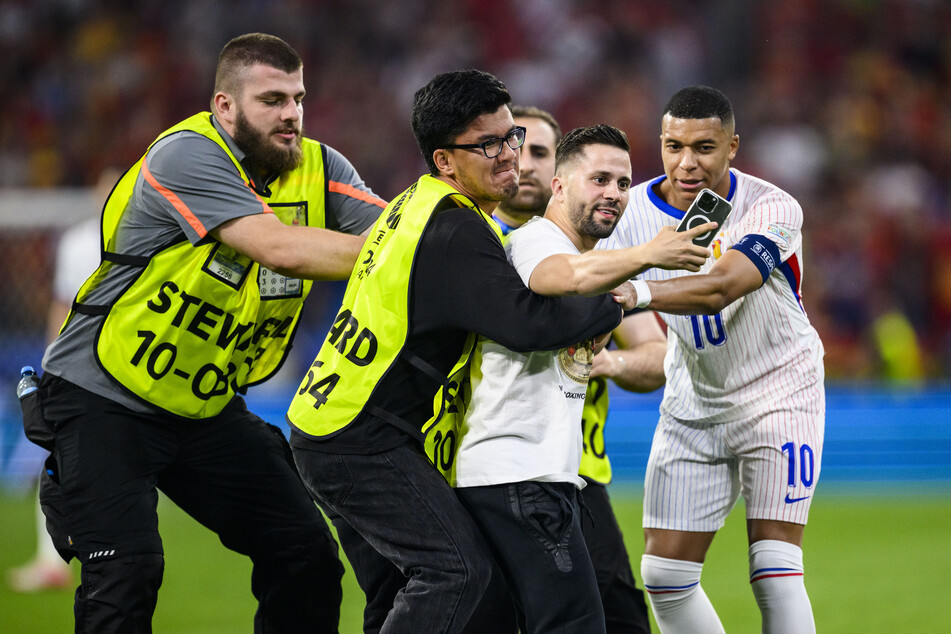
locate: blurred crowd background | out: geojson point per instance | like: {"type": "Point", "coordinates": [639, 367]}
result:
{"type": "Point", "coordinates": [846, 104]}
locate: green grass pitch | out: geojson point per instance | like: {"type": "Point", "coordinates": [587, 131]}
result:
{"type": "Point", "coordinates": [874, 563]}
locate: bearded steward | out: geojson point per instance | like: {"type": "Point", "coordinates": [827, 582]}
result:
{"type": "Point", "coordinates": [209, 245]}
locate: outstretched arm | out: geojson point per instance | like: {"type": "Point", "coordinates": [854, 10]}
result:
{"type": "Point", "coordinates": [307, 252]}
{"type": "Point", "coordinates": [482, 293]}
{"type": "Point", "coordinates": [192, 180]}
{"type": "Point", "coordinates": [598, 271]}
{"type": "Point", "coordinates": [733, 276]}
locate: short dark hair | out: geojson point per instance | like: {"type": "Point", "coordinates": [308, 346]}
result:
{"type": "Point", "coordinates": [444, 108]}
{"type": "Point", "coordinates": [538, 113]}
{"type": "Point", "coordinates": [572, 144]}
{"type": "Point", "coordinates": [247, 50]}
{"type": "Point", "coordinates": [700, 102]}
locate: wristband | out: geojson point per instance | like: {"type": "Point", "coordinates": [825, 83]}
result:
{"type": "Point", "coordinates": [643, 293]}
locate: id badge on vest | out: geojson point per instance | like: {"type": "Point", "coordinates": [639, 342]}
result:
{"type": "Point", "coordinates": [227, 265]}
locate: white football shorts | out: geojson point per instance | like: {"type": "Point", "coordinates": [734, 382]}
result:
{"type": "Point", "coordinates": [696, 472]}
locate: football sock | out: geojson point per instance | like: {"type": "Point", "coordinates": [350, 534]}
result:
{"type": "Point", "coordinates": [678, 601]}
{"type": "Point", "coordinates": [776, 576]}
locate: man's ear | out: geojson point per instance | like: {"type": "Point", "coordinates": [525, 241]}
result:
{"type": "Point", "coordinates": [557, 188]}
{"type": "Point", "coordinates": [224, 108]}
{"type": "Point", "coordinates": [444, 163]}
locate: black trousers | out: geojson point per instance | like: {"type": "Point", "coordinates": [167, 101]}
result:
{"type": "Point", "coordinates": [381, 580]}
{"type": "Point", "coordinates": [233, 473]}
{"type": "Point", "coordinates": [409, 515]}
{"type": "Point", "coordinates": [625, 610]}
{"type": "Point", "coordinates": [534, 531]}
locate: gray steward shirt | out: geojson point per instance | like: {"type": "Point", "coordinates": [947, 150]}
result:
{"type": "Point", "coordinates": [202, 175]}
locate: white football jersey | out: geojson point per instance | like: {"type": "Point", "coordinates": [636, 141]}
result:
{"type": "Point", "coordinates": [760, 351]}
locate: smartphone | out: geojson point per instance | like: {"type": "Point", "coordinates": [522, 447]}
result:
{"type": "Point", "coordinates": [706, 207]}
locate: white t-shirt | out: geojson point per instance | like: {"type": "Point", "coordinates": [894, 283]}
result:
{"type": "Point", "coordinates": [524, 417]}
{"type": "Point", "coordinates": [760, 352]}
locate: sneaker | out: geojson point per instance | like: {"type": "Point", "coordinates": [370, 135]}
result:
{"type": "Point", "coordinates": [37, 576]}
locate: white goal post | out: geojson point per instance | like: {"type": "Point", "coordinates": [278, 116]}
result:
{"type": "Point", "coordinates": [45, 209]}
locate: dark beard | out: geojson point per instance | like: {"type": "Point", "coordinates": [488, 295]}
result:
{"type": "Point", "coordinates": [262, 154]}
{"type": "Point", "coordinates": [588, 226]}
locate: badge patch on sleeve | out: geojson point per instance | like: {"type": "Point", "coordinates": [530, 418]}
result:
{"type": "Point", "coordinates": [780, 233]}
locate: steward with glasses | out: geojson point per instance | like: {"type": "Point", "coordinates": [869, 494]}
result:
{"type": "Point", "coordinates": [413, 308]}
{"type": "Point", "coordinates": [493, 147]}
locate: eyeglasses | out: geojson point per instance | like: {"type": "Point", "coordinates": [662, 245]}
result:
{"type": "Point", "coordinates": [493, 147]}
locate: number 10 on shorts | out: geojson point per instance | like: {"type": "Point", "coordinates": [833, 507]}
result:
{"type": "Point", "coordinates": [806, 462]}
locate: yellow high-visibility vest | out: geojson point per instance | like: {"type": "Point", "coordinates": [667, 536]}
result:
{"type": "Point", "coordinates": [371, 329]}
{"type": "Point", "coordinates": [199, 323]}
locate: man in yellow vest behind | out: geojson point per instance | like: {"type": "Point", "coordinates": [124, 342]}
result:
{"type": "Point", "coordinates": [433, 274]}
{"type": "Point", "coordinates": [209, 244]}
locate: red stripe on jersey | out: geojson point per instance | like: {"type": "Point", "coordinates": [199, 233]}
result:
{"type": "Point", "coordinates": [793, 262]}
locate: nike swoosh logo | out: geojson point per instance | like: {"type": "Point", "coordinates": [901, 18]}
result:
{"type": "Point", "coordinates": [790, 500]}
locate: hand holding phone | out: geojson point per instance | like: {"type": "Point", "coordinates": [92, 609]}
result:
{"type": "Point", "coordinates": [706, 207]}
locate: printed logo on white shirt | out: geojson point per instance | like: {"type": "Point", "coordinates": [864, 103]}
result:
{"type": "Point", "coordinates": [576, 361]}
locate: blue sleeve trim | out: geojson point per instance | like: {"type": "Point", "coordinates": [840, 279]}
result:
{"type": "Point", "coordinates": [761, 251]}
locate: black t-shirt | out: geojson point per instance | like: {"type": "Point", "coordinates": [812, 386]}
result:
{"type": "Point", "coordinates": [461, 283]}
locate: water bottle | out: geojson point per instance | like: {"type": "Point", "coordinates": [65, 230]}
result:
{"type": "Point", "coordinates": [29, 381]}
{"type": "Point", "coordinates": [35, 426]}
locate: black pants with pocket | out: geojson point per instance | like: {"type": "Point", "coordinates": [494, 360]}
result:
{"type": "Point", "coordinates": [232, 472]}
{"type": "Point", "coordinates": [534, 531]}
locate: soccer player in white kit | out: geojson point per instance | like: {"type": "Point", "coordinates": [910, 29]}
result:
{"type": "Point", "coordinates": [744, 405]}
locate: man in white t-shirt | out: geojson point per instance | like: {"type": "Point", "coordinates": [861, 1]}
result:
{"type": "Point", "coordinates": [518, 458]}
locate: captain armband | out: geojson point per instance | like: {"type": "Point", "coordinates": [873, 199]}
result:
{"type": "Point", "coordinates": [761, 251]}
